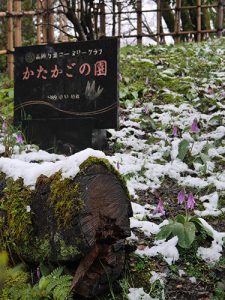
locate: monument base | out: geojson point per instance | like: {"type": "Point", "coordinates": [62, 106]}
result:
{"type": "Point", "coordinates": [64, 136]}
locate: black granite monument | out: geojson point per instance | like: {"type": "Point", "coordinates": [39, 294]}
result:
{"type": "Point", "coordinates": [66, 94]}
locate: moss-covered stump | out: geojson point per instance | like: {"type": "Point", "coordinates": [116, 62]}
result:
{"type": "Point", "coordinates": [80, 222]}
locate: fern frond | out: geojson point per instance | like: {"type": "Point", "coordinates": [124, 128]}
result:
{"type": "Point", "coordinates": [56, 273]}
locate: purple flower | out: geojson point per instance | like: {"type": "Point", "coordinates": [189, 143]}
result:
{"type": "Point", "coordinates": [159, 208]}
{"type": "Point", "coordinates": [190, 201]}
{"type": "Point", "coordinates": [175, 130]}
{"type": "Point", "coordinates": [38, 273]}
{"type": "Point", "coordinates": [145, 109]}
{"type": "Point", "coordinates": [181, 197]}
{"type": "Point", "coordinates": [4, 125]}
{"type": "Point", "coordinates": [19, 138]}
{"type": "Point", "coordinates": [194, 126]}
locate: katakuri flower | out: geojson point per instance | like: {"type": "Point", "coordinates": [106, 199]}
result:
{"type": "Point", "coordinates": [194, 126]}
{"type": "Point", "coordinates": [175, 130]}
{"type": "Point", "coordinates": [190, 201]}
{"type": "Point", "coordinates": [159, 208]}
{"type": "Point", "coordinates": [4, 125]}
{"type": "Point", "coordinates": [19, 138]}
{"type": "Point", "coordinates": [38, 272]}
{"type": "Point", "coordinates": [181, 197]}
{"type": "Point", "coordinates": [145, 109]}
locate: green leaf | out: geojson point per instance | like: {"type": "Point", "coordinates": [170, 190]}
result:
{"type": "Point", "coordinates": [185, 233]}
{"type": "Point", "coordinates": [198, 160]}
{"type": "Point", "coordinates": [43, 283]}
{"type": "Point", "coordinates": [204, 157]}
{"type": "Point", "coordinates": [165, 232]}
{"type": "Point", "coordinates": [129, 104]}
{"type": "Point", "coordinates": [180, 219]}
{"type": "Point", "coordinates": [206, 148]}
{"type": "Point", "coordinates": [203, 169]}
{"type": "Point", "coordinates": [11, 93]}
{"type": "Point", "coordinates": [134, 94]}
{"type": "Point", "coordinates": [182, 149]}
{"type": "Point", "coordinates": [215, 120]}
{"type": "Point", "coordinates": [44, 269]}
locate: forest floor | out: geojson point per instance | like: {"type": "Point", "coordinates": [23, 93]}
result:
{"type": "Point", "coordinates": [169, 95]}
{"type": "Point", "coordinates": [171, 142]}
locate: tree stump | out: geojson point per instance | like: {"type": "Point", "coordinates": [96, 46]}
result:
{"type": "Point", "coordinates": [81, 223]}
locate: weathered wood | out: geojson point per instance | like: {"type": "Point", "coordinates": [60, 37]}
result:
{"type": "Point", "coordinates": [10, 39]}
{"type": "Point", "coordinates": [50, 22]}
{"type": "Point", "coordinates": [38, 23]}
{"type": "Point", "coordinates": [119, 5]}
{"type": "Point", "coordinates": [220, 12]}
{"type": "Point", "coordinates": [95, 12]}
{"type": "Point", "coordinates": [158, 21]}
{"type": "Point", "coordinates": [139, 22]}
{"type": "Point", "coordinates": [91, 241]}
{"type": "Point", "coordinates": [113, 17]}
{"type": "Point", "coordinates": [44, 22]}
{"type": "Point", "coordinates": [102, 20]}
{"type": "Point", "coordinates": [199, 21]}
{"type": "Point", "coordinates": [3, 52]}
{"type": "Point", "coordinates": [18, 33]}
{"type": "Point", "coordinates": [177, 20]}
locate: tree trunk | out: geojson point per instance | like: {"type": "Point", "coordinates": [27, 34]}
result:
{"type": "Point", "coordinates": [168, 15]}
{"type": "Point", "coordinates": [81, 223]}
{"type": "Point", "coordinates": [205, 19]}
{"type": "Point", "coordinates": [185, 17]}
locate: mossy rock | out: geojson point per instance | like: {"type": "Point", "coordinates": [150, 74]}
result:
{"type": "Point", "coordinates": [62, 219]}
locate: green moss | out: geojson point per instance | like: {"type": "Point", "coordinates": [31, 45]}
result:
{"type": "Point", "coordinates": [64, 199]}
{"type": "Point", "coordinates": [41, 249]}
{"type": "Point", "coordinates": [104, 162]}
{"type": "Point", "coordinates": [18, 229]}
{"type": "Point", "coordinates": [15, 279]}
{"type": "Point", "coordinates": [67, 252]}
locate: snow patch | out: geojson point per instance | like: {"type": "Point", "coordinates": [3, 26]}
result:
{"type": "Point", "coordinates": [166, 248]}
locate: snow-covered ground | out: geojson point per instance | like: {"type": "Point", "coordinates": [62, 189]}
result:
{"type": "Point", "coordinates": [148, 151]}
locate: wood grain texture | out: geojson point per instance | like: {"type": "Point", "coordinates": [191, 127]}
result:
{"type": "Point", "coordinates": [92, 246]}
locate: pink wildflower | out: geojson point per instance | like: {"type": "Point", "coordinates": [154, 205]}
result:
{"type": "Point", "coordinates": [146, 109]}
{"type": "Point", "coordinates": [175, 130]}
{"type": "Point", "coordinates": [4, 125]}
{"type": "Point", "coordinates": [38, 273]}
{"type": "Point", "coordinates": [19, 138]}
{"type": "Point", "coordinates": [194, 126]}
{"type": "Point", "coordinates": [190, 201]}
{"type": "Point", "coordinates": [159, 208]}
{"type": "Point", "coordinates": [181, 197]}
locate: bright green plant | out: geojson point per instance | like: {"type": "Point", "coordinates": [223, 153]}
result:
{"type": "Point", "coordinates": [6, 98]}
{"type": "Point", "coordinates": [54, 286]}
{"type": "Point", "coordinates": [3, 264]}
{"type": "Point", "coordinates": [185, 227]}
{"type": "Point", "coordinates": [14, 283]}
{"type": "Point", "coordinates": [10, 278]}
